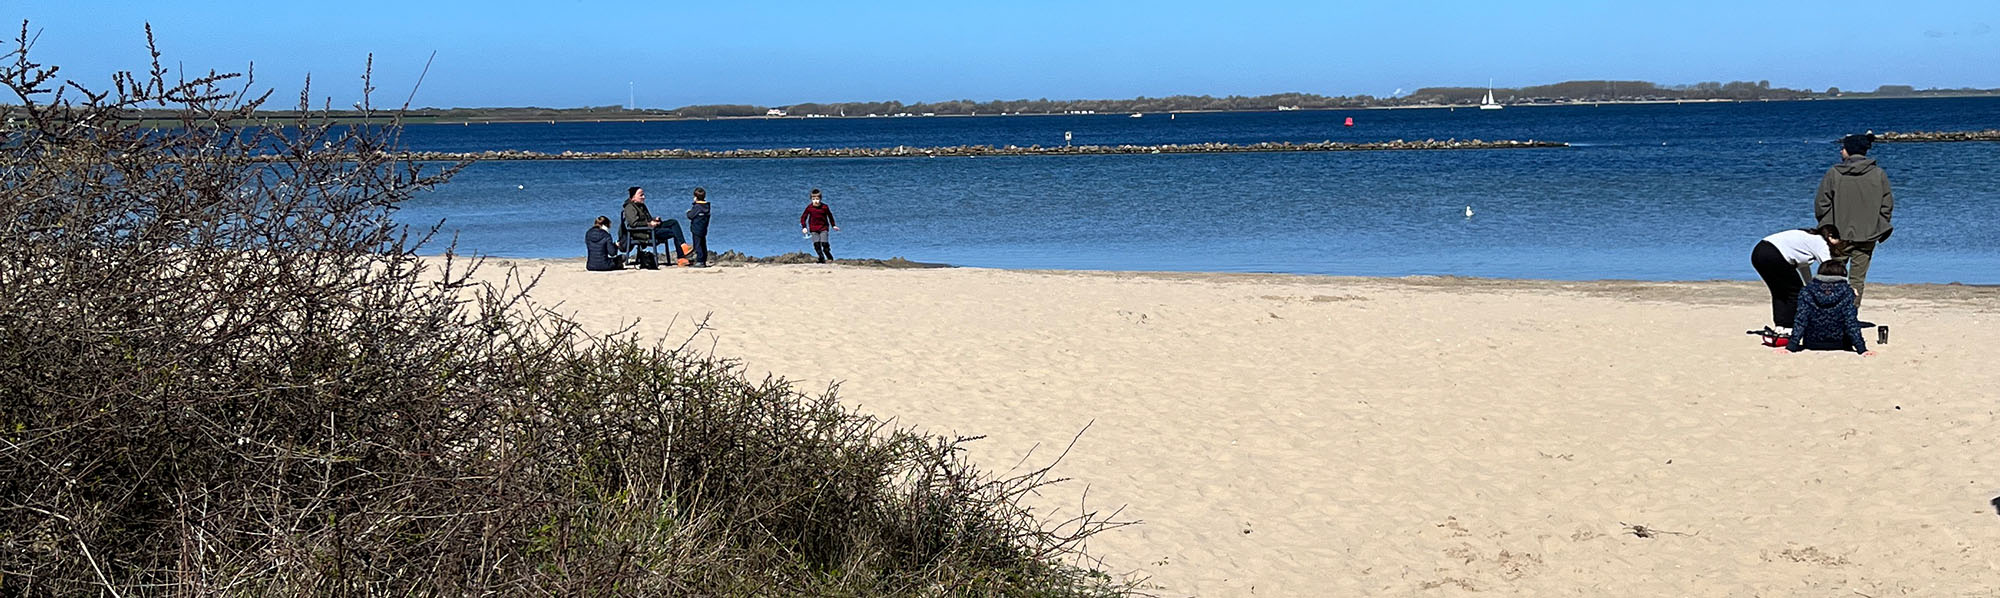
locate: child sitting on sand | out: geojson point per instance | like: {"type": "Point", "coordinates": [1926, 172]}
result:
{"type": "Point", "coordinates": [1827, 314]}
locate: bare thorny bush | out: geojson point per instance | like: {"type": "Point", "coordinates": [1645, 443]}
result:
{"type": "Point", "coordinates": [225, 371]}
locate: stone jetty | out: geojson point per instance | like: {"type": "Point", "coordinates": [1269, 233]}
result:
{"type": "Point", "coordinates": [986, 150]}
{"type": "Point", "coordinates": [1939, 136]}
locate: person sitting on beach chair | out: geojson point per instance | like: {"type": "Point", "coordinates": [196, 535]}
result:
{"type": "Point", "coordinates": [643, 231]}
{"type": "Point", "coordinates": [1826, 319]}
{"type": "Point", "coordinates": [600, 252]}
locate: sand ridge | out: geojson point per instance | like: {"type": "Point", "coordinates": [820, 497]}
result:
{"type": "Point", "coordinates": [1310, 436]}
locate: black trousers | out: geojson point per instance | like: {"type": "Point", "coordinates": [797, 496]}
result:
{"type": "Point", "coordinates": [698, 236]}
{"type": "Point", "coordinates": [1783, 279]}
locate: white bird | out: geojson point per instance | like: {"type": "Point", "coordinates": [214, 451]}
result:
{"type": "Point", "coordinates": [520, 186]}
{"type": "Point", "coordinates": [1468, 211]}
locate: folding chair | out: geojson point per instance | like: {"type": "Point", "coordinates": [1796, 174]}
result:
{"type": "Point", "coordinates": [638, 246]}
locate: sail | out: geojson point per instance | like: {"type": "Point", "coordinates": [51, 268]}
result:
{"type": "Point", "coordinates": [1487, 103]}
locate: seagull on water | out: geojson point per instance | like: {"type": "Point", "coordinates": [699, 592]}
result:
{"type": "Point", "coordinates": [1468, 211]}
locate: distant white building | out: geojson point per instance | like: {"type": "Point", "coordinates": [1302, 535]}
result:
{"type": "Point", "coordinates": [774, 112]}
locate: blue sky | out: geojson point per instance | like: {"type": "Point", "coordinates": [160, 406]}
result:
{"type": "Point", "coordinates": [583, 53]}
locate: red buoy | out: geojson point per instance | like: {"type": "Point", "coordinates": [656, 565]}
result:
{"type": "Point", "coordinates": [1350, 121]}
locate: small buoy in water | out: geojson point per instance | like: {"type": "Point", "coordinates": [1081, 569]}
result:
{"type": "Point", "coordinates": [1468, 211]}
{"type": "Point", "coordinates": [1350, 121]}
{"type": "Point", "coordinates": [520, 186]}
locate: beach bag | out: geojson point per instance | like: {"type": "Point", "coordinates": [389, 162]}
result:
{"type": "Point", "coordinates": [1770, 337]}
{"type": "Point", "coordinates": [647, 261]}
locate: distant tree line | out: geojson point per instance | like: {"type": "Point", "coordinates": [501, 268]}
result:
{"type": "Point", "coordinates": [1048, 106]}
{"type": "Point", "coordinates": [1606, 91]}
{"type": "Point", "coordinates": [1555, 93]}
{"type": "Point", "coordinates": [1565, 92]}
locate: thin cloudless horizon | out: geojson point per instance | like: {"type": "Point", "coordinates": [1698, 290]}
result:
{"type": "Point", "coordinates": [569, 53]}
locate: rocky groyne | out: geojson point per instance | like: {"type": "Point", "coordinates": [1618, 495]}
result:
{"type": "Point", "coordinates": [800, 257]}
{"type": "Point", "coordinates": [1938, 136]}
{"type": "Point", "coordinates": [987, 150]}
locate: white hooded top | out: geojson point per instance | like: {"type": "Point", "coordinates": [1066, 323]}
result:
{"type": "Point", "coordinates": [1800, 247]}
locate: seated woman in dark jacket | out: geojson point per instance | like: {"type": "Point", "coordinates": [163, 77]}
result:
{"type": "Point", "coordinates": [1827, 314]}
{"type": "Point", "coordinates": [600, 252]}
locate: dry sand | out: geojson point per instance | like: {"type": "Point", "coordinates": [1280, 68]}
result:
{"type": "Point", "coordinates": [1317, 436]}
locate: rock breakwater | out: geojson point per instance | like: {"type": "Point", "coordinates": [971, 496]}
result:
{"type": "Point", "coordinates": [1936, 136]}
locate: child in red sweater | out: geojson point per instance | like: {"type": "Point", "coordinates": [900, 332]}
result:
{"type": "Point", "coordinates": [815, 222]}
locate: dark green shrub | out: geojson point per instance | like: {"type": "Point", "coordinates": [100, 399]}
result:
{"type": "Point", "coordinates": [225, 371]}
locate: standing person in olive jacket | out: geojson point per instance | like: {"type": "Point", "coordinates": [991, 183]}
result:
{"type": "Point", "coordinates": [1854, 197]}
{"type": "Point", "coordinates": [697, 215]}
{"type": "Point", "coordinates": [815, 222]}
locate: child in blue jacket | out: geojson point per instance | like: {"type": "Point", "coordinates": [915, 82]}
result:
{"type": "Point", "coordinates": [1827, 317]}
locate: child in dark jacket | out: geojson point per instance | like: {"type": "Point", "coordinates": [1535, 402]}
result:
{"type": "Point", "coordinates": [1826, 319]}
{"type": "Point", "coordinates": [697, 215]}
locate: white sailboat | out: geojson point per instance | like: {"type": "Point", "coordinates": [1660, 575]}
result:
{"type": "Point", "coordinates": [1487, 103]}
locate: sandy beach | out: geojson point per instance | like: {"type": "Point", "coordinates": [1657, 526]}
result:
{"type": "Point", "coordinates": [1320, 436]}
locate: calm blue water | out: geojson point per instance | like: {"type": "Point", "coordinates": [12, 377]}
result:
{"type": "Point", "coordinates": [1656, 192]}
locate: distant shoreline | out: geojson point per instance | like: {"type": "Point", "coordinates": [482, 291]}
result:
{"type": "Point", "coordinates": [983, 150]}
{"type": "Point", "coordinates": [340, 117]}
{"type": "Point", "coordinates": [670, 118]}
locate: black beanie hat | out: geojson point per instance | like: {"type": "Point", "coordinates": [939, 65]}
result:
{"type": "Point", "coordinates": [1857, 145]}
